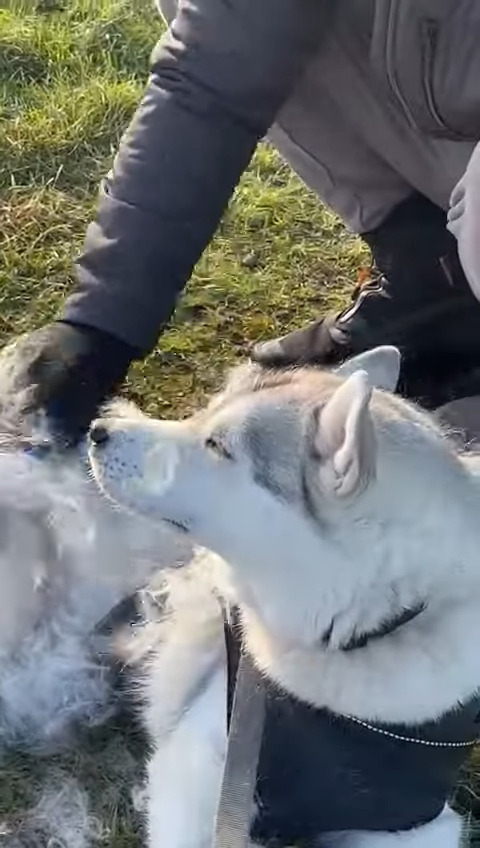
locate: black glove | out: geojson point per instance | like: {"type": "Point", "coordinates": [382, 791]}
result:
{"type": "Point", "coordinates": [69, 371]}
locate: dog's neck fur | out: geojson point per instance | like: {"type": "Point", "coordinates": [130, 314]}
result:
{"type": "Point", "coordinates": [387, 680]}
{"type": "Point", "coordinates": [284, 629]}
{"type": "Point", "coordinates": [442, 560]}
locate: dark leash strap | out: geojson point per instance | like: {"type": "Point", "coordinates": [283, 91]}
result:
{"type": "Point", "coordinates": [245, 719]}
{"type": "Point", "coordinates": [232, 631]}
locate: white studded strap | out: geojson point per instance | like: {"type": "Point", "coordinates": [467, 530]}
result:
{"type": "Point", "coordinates": [414, 741]}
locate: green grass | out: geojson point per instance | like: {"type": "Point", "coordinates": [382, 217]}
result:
{"type": "Point", "coordinates": [71, 72]}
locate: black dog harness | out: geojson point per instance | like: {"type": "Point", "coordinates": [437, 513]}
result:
{"type": "Point", "coordinates": [319, 772]}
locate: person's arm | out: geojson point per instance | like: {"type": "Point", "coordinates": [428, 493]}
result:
{"type": "Point", "coordinates": [219, 77]}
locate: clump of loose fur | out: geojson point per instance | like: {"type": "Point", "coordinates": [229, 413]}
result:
{"type": "Point", "coordinates": [61, 818]}
{"type": "Point", "coordinates": [53, 683]}
{"type": "Point", "coordinates": [67, 556]}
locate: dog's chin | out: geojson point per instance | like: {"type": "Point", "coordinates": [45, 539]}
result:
{"type": "Point", "coordinates": [95, 470]}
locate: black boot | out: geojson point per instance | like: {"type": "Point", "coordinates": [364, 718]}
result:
{"type": "Point", "coordinates": [421, 302]}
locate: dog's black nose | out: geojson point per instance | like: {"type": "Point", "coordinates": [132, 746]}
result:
{"type": "Point", "coordinates": [99, 434]}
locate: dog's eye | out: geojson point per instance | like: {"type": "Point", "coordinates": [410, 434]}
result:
{"type": "Point", "coordinates": [218, 449]}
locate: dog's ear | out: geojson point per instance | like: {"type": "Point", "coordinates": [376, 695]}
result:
{"type": "Point", "coordinates": [345, 440]}
{"type": "Point", "coordinates": [382, 364]}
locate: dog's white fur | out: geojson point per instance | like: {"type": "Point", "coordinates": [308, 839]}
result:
{"type": "Point", "coordinates": [331, 506]}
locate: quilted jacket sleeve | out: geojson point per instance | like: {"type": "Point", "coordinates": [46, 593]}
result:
{"type": "Point", "coordinates": [219, 76]}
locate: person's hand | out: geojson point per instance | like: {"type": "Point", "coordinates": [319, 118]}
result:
{"type": "Point", "coordinates": [67, 371]}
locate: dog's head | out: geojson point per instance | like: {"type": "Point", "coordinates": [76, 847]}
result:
{"type": "Point", "coordinates": [305, 481]}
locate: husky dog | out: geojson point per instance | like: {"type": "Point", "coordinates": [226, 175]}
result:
{"type": "Point", "coordinates": [345, 530]}
{"type": "Point", "coordinates": [66, 557]}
